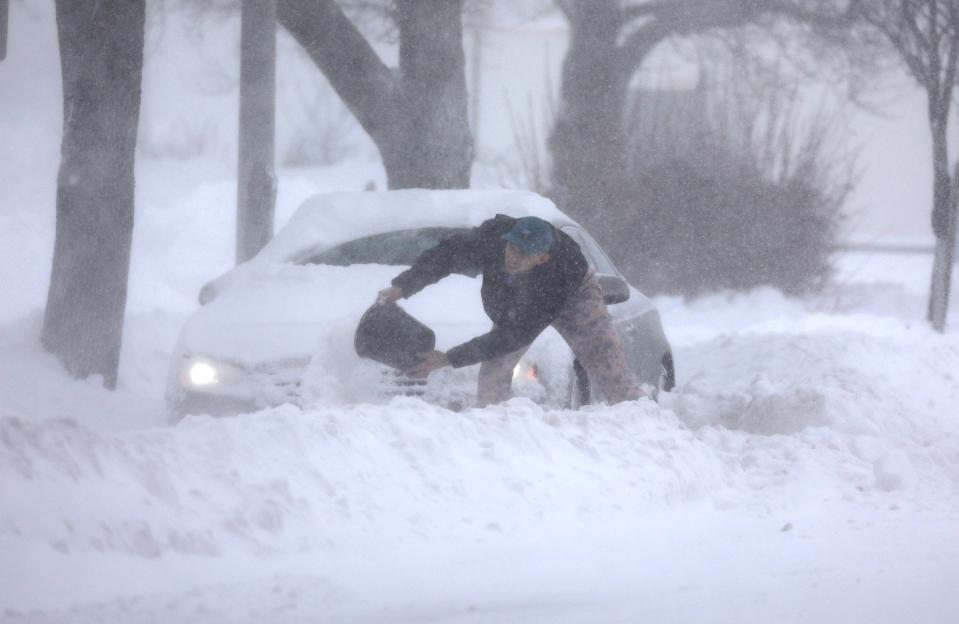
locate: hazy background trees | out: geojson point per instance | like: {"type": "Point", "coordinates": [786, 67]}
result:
{"type": "Point", "coordinates": [416, 114]}
{"type": "Point", "coordinates": [669, 213]}
{"type": "Point", "coordinates": [731, 184]}
{"type": "Point", "coordinates": [848, 40]}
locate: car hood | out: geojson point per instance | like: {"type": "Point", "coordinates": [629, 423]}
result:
{"type": "Point", "coordinates": [289, 312]}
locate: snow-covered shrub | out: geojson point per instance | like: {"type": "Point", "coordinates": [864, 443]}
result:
{"type": "Point", "coordinates": [729, 192]}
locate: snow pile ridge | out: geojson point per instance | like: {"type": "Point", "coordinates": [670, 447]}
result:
{"type": "Point", "coordinates": [342, 478]}
{"type": "Point", "coordinates": [873, 391]}
{"type": "Point", "coordinates": [288, 480]}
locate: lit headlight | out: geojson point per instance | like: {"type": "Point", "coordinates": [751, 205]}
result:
{"type": "Point", "coordinates": [202, 374]}
{"type": "Point", "coordinates": [525, 370]}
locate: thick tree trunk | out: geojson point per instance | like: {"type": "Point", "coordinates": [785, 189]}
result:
{"type": "Point", "coordinates": [588, 145]}
{"type": "Point", "coordinates": [101, 51]}
{"type": "Point", "coordinates": [256, 179]}
{"type": "Point", "coordinates": [432, 146]}
{"type": "Point", "coordinates": [417, 117]}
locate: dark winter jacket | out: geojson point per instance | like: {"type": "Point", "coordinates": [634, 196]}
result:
{"type": "Point", "coordinates": [521, 305]}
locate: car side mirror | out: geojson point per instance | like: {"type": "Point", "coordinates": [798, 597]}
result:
{"type": "Point", "coordinates": [615, 289]}
{"type": "Point", "coordinates": [212, 289]}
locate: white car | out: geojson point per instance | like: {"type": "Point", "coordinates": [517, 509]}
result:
{"type": "Point", "coordinates": [279, 328]}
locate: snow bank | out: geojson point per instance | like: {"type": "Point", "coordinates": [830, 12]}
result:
{"type": "Point", "coordinates": [873, 401]}
{"type": "Point", "coordinates": [287, 480]}
{"type": "Point", "coordinates": [828, 410]}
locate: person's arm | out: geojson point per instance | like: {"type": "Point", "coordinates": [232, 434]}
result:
{"type": "Point", "coordinates": [459, 253]}
{"type": "Point", "coordinates": [508, 337]}
{"type": "Point", "coordinates": [500, 340]}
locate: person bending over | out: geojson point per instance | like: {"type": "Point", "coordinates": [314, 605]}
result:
{"type": "Point", "coordinates": [533, 276]}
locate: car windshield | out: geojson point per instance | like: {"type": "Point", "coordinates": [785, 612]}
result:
{"type": "Point", "coordinates": [399, 248]}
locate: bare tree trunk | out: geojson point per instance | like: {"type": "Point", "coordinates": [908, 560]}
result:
{"type": "Point", "coordinates": [101, 53]}
{"type": "Point", "coordinates": [417, 117]}
{"type": "Point", "coordinates": [4, 16]}
{"type": "Point", "coordinates": [256, 178]}
{"type": "Point", "coordinates": [943, 223]}
{"type": "Point", "coordinates": [588, 143]}
{"type": "Point", "coordinates": [432, 146]}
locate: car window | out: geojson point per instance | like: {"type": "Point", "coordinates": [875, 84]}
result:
{"type": "Point", "coordinates": [399, 248]}
{"type": "Point", "coordinates": [594, 253]}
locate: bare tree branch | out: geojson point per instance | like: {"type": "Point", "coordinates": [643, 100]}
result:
{"type": "Point", "coordinates": [665, 19]}
{"type": "Point", "coordinates": [364, 83]}
{"type": "Point", "coordinates": [637, 11]}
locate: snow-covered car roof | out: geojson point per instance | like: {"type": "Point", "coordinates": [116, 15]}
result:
{"type": "Point", "coordinates": [326, 220]}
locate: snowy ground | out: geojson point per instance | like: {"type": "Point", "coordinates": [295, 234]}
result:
{"type": "Point", "coordinates": [805, 470]}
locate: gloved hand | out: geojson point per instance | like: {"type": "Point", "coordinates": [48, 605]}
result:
{"type": "Point", "coordinates": [429, 362]}
{"type": "Point", "coordinates": [389, 295]}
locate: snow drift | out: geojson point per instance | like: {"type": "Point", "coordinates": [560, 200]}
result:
{"type": "Point", "coordinates": [831, 410]}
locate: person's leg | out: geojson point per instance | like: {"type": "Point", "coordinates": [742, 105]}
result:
{"type": "Point", "coordinates": [586, 326]}
{"type": "Point", "coordinates": [496, 378]}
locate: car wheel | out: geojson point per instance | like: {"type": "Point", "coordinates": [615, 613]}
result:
{"type": "Point", "coordinates": [667, 376]}
{"type": "Point", "coordinates": [579, 394]}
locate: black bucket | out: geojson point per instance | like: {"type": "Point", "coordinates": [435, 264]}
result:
{"type": "Point", "coordinates": [390, 336]}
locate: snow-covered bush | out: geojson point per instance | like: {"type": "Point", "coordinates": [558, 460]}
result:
{"type": "Point", "coordinates": [729, 191]}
